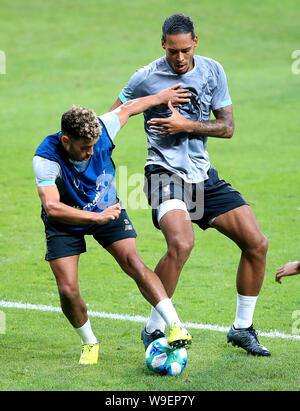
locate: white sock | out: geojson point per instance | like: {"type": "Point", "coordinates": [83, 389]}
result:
{"type": "Point", "coordinates": [155, 322]}
{"type": "Point", "coordinates": [86, 334]}
{"type": "Point", "coordinates": [244, 311]}
{"type": "Point", "coordinates": [166, 309]}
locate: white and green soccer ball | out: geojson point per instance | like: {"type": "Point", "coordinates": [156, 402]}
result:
{"type": "Point", "coordinates": [164, 359]}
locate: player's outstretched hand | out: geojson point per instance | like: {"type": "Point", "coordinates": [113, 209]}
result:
{"type": "Point", "coordinates": [110, 213]}
{"type": "Point", "coordinates": [175, 94]}
{"type": "Point", "coordinates": [291, 268]}
{"type": "Point", "coordinates": [174, 124]}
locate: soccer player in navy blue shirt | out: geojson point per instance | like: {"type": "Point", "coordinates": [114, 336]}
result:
{"type": "Point", "coordinates": [75, 182]}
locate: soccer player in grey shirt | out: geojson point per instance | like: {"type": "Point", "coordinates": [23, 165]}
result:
{"type": "Point", "coordinates": [182, 186]}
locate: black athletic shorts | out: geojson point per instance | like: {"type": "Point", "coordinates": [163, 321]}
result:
{"type": "Point", "coordinates": [63, 242]}
{"type": "Point", "coordinates": [210, 198]}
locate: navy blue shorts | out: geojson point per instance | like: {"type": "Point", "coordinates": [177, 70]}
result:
{"type": "Point", "coordinates": [215, 195]}
{"type": "Point", "coordinates": [63, 241]}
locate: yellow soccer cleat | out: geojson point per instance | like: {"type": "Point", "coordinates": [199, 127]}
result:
{"type": "Point", "coordinates": [179, 336]}
{"type": "Point", "coordinates": [89, 354]}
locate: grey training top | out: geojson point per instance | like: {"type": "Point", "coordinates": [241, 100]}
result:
{"type": "Point", "coordinates": [182, 154]}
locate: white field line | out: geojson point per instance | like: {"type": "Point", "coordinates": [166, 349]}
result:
{"type": "Point", "coordinates": [140, 319]}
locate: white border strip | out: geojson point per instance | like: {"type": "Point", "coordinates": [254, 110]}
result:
{"type": "Point", "coordinates": [140, 319]}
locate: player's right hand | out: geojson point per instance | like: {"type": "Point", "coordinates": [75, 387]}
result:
{"type": "Point", "coordinates": [291, 268]}
{"type": "Point", "coordinates": [174, 124]}
{"type": "Point", "coordinates": [110, 213]}
{"type": "Point", "coordinates": [175, 94]}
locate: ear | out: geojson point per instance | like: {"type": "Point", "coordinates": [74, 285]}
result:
{"type": "Point", "coordinates": [65, 139]}
{"type": "Point", "coordinates": [163, 44]}
{"type": "Point", "coordinates": [195, 41]}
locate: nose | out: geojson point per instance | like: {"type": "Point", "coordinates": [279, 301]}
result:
{"type": "Point", "coordinates": [180, 57]}
{"type": "Point", "coordinates": [90, 151]}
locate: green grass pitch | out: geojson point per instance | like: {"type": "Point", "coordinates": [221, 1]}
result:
{"type": "Point", "coordinates": [75, 52]}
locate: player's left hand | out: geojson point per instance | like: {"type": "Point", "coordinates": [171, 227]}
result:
{"type": "Point", "coordinates": [174, 124]}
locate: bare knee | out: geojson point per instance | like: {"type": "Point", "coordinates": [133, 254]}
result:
{"type": "Point", "coordinates": [132, 264]}
{"type": "Point", "coordinates": [180, 248]}
{"type": "Point", "coordinates": [258, 247]}
{"type": "Point", "coordinates": [68, 292]}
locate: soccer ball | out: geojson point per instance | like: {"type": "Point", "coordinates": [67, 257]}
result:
{"type": "Point", "coordinates": [164, 359]}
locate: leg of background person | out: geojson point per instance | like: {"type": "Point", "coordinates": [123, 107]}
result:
{"type": "Point", "coordinates": [240, 225]}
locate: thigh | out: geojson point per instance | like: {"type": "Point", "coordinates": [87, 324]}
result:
{"type": "Point", "coordinates": [240, 225]}
{"type": "Point", "coordinates": [65, 271]}
{"type": "Point", "coordinates": [177, 227]}
{"type": "Point", "coordinates": [125, 253]}
{"type": "Point", "coordinates": [122, 248]}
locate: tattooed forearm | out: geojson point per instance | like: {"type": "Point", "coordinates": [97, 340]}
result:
{"type": "Point", "coordinates": [222, 126]}
{"type": "Point", "coordinates": [213, 128]}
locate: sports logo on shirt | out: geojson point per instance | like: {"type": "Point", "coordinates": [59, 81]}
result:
{"type": "Point", "coordinates": [105, 193]}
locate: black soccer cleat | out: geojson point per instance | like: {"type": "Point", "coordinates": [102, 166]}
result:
{"type": "Point", "coordinates": [148, 338]}
{"type": "Point", "coordinates": [246, 338]}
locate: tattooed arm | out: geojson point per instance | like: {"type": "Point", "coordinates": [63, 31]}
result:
{"type": "Point", "coordinates": [222, 126]}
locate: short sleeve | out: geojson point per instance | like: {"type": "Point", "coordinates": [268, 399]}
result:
{"type": "Point", "coordinates": [46, 171]}
{"type": "Point", "coordinates": [133, 89]}
{"type": "Point", "coordinates": [112, 124]}
{"type": "Point", "coordinates": [220, 96]}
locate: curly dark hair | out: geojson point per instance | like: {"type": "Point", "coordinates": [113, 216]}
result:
{"type": "Point", "coordinates": [80, 122]}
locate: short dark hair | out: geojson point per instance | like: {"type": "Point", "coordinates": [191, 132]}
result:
{"type": "Point", "coordinates": [177, 24]}
{"type": "Point", "coordinates": [80, 122]}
